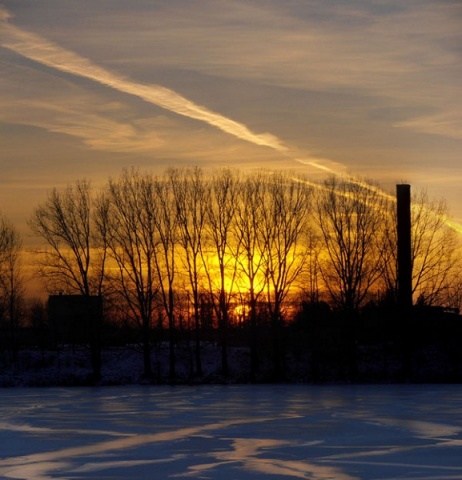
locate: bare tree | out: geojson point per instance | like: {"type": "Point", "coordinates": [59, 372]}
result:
{"type": "Point", "coordinates": [312, 272]}
{"type": "Point", "coordinates": [192, 200]}
{"type": "Point", "coordinates": [434, 246]}
{"type": "Point", "coordinates": [388, 259]}
{"type": "Point", "coordinates": [71, 262]}
{"type": "Point", "coordinates": [250, 257]}
{"type": "Point", "coordinates": [223, 251]}
{"type": "Point", "coordinates": [284, 228]}
{"type": "Point", "coordinates": [286, 212]}
{"type": "Point", "coordinates": [166, 224]}
{"type": "Point", "coordinates": [11, 281]}
{"type": "Point", "coordinates": [434, 249]}
{"type": "Point", "coordinates": [348, 214]}
{"type": "Point", "coordinates": [452, 297]}
{"type": "Point", "coordinates": [126, 222]}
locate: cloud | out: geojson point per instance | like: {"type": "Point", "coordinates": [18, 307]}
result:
{"type": "Point", "coordinates": [4, 14]}
{"type": "Point", "coordinates": [97, 129]}
{"type": "Point", "coordinates": [447, 124]}
{"type": "Point", "coordinates": [99, 132]}
{"type": "Point", "coordinates": [38, 49]}
{"type": "Point", "coordinates": [322, 68]}
{"type": "Point", "coordinates": [398, 55]}
{"type": "Point", "coordinates": [323, 164]}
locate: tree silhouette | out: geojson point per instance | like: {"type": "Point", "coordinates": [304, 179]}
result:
{"type": "Point", "coordinates": [126, 223]}
{"type": "Point", "coordinates": [285, 216]}
{"type": "Point", "coordinates": [225, 249]}
{"type": "Point", "coordinates": [71, 262]}
{"type": "Point", "coordinates": [435, 251]}
{"type": "Point", "coordinates": [191, 193]}
{"type": "Point", "coordinates": [348, 214]}
{"type": "Point", "coordinates": [11, 280]}
{"type": "Point", "coordinates": [248, 232]}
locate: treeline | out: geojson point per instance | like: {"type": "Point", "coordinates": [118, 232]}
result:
{"type": "Point", "coordinates": [185, 251]}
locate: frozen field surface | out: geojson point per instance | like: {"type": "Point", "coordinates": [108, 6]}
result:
{"type": "Point", "coordinates": [232, 432]}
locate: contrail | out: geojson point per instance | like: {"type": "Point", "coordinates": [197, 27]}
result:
{"type": "Point", "coordinates": [36, 48]}
{"type": "Point", "coordinates": [452, 224]}
{"type": "Point", "coordinates": [40, 50]}
{"type": "Point", "coordinates": [315, 163]}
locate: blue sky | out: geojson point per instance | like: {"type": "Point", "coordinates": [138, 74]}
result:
{"type": "Point", "coordinates": [371, 88]}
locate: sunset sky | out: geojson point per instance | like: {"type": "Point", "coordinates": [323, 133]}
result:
{"type": "Point", "coordinates": [372, 88]}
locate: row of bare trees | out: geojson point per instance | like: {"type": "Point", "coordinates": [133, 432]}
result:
{"type": "Point", "coordinates": [156, 242]}
{"type": "Point", "coordinates": [163, 248]}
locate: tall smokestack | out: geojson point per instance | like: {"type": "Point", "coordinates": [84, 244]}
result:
{"type": "Point", "coordinates": [403, 198]}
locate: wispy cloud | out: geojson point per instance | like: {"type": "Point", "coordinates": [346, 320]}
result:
{"type": "Point", "coordinates": [306, 47]}
{"type": "Point", "coordinates": [94, 127]}
{"type": "Point", "coordinates": [448, 124]}
{"type": "Point", "coordinates": [397, 55]}
{"type": "Point", "coordinates": [36, 48]}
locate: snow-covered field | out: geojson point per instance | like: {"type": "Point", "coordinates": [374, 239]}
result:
{"type": "Point", "coordinates": [232, 432]}
{"type": "Point", "coordinates": [70, 366]}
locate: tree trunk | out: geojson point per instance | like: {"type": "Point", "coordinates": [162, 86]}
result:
{"type": "Point", "coordinates": [197, 339]}
{"type": "Point", "coordinates": [253, 341]}
{"type": "Point", "coordinates": [171, 345]}
{"type": "Point", "coordinates": [147, 350]}
{"type": "Point", "coordinates": [224, 344]}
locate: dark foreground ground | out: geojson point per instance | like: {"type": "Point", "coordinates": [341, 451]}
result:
{"type": "Point", "coordinates": [124, 366]}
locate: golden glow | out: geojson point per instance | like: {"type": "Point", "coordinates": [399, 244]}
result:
{"type": "Point", "coordinates": [236, 281]}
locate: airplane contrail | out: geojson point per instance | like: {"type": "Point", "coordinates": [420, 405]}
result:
{"type": "Point", "coordinates": [42, 51]}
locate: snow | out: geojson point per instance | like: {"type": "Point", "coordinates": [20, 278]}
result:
{"type": "Point", "coordinates": [70, 365]}
{"type": "Point", "coordinates": [340, 432]}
